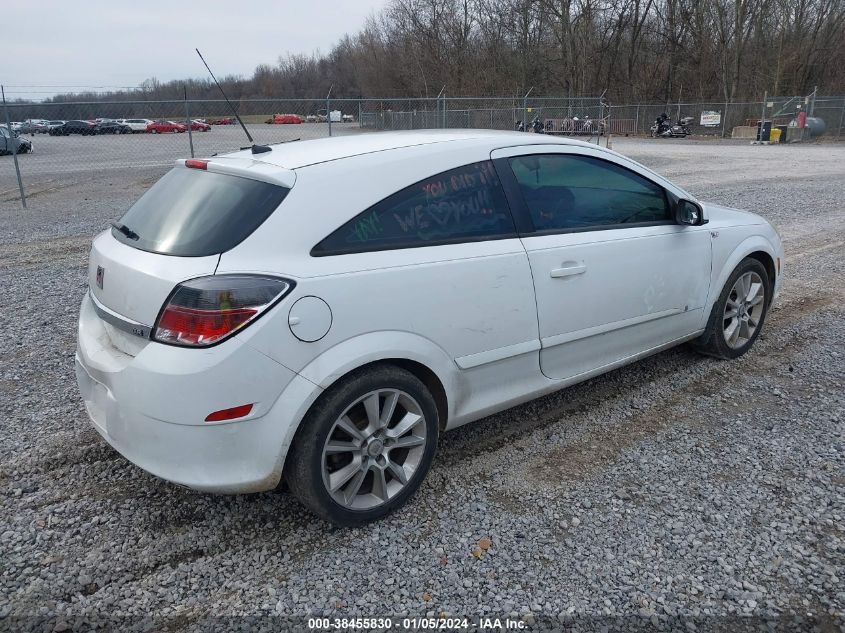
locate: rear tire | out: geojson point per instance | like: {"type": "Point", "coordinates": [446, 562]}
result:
{"type": "Point", "coordinates": [739, 313]}
{"type": "Point", "coordinates": [364, 447]}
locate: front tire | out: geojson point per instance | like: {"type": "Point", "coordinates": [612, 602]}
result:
{"type": "Point", "coordinates": [739, 313]}
{"type": "Point", "coordinates": [365, 446]}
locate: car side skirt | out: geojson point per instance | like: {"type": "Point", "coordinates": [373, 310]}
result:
{"type": "Point", "coordinates": [544, 386]}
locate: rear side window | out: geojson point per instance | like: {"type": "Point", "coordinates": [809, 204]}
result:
{"type": "Point", "coordinates": [569, 192]}
{"type": "Point", "coordinates": [193, 213]}
{"type": "Point", "coordinates": [459, 205]}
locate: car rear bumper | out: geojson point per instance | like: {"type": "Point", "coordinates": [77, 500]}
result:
{"type": "Point", "coordinates": [152, 407]}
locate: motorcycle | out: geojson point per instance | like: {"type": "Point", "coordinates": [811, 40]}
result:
{"type": "Point", "coordinates": [663, 127]}
{"type": "Point", "coordinates": [535, 126]}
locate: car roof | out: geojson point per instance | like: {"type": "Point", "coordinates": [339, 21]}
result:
{"type": "Point", "coordinates": [294, 155]}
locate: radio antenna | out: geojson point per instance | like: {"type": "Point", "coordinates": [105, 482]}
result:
{"type": "Point", "coordinates": [256, 149]}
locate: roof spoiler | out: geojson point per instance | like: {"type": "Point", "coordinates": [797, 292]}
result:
{"type": "Point", "coordinates": [245, 168]}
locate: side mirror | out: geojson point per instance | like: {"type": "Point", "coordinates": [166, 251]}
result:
{"type": "Point", "coordinates": [689, 213]}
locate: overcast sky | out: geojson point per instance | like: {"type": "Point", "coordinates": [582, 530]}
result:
{"type": "Point", "coordinates": [104, 43]}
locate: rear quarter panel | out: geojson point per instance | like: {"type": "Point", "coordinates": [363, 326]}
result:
{"type": "Point", "coordinates": [468, 299]}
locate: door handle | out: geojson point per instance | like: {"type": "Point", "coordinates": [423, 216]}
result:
{"type": "Point", "coordinates": [568, 271]}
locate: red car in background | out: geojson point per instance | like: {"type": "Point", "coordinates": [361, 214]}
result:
{"type": "Point", "coordinates": [284, 118]}
{"type": "Point", "coordinates": [162, 127]}
{"type": "Point", "coordinates": [223, 121]}
{"type": "Point", "coordinates": [199, 126]}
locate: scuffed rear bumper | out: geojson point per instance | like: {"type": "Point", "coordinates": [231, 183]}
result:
{"type": "Point", "coordinates": [151, 408]}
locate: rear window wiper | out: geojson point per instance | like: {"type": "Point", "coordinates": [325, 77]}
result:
{"type": "Point", "coordinates": [132, 235]}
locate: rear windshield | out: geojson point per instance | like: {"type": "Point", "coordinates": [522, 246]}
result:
{"type": "Point", "coordinates": [193, 213]}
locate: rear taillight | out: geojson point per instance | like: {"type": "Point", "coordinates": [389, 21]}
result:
{"type": "Point", "coordinates": [207, 310]}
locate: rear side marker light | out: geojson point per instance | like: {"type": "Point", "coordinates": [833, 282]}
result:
{"type": "Point", "coordinates": [229, 414]}
{"type": "Point", "coordinates": [194, 163]}
{"type": "Point", "coordinates": [208, 310]}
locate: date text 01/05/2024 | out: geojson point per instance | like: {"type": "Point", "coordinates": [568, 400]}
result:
{"type": "Point", "coordinates": [416, 624]}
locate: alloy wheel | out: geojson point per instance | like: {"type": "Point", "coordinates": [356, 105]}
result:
{"type": "Point", "coordinates": [743, 309]}
{"type": "Point", "coordinates": [374, 449]}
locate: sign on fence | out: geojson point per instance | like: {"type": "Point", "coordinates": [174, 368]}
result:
{"type": "Point", "coordinates": [711, 118]}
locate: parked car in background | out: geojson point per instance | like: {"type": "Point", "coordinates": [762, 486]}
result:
{"type": "Point", "coordinates": [136, 125]}
{"type": "Point", "coordinates": [85, 128]}
{"type": "Point", "coordinates": [164, 127]}
{"type": "Point", "coordinates": [222, 121]}
{"type": "Point", "coordinates": [112, 127]}
{"type": "Point", "coordinates": [447, 276]}
{"type": "Point", "coordinates": [56, 123]}
{"type": "Point", "coordinates": [199, 126]}
{"type": "Point", "coordinates": [11, 143]}
{"type": "Point", "coordinates": [33, 126]}
{"type": "Point", "coordinates": [278, 119]}
{"type": "Point", "coordinates": [25, 128]}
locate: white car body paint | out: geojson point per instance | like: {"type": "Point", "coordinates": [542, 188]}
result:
{"type": "Point", "coordinates": [493, 320]}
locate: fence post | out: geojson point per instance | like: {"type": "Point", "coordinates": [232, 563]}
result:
{"type": "Point", "coordinates": [188, 121]}
{"type": "Point", "coordinates": [14, 149]}
{"type": "Point", "coordinates": [763, 118]}
{"type": "Point", "coordinates": [841, 119]}
{"type": "Point", "coordinates": [525, 108]}
{"type": "Point", "coordinates": [724, 119]}
{"type": "Point", "coordinates": [329, 109]}
{"type": "Point", "coordinates": [637, 124]}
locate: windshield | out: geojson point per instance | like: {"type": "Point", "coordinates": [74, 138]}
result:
{"type": "Point", "coordinates": [194, 213]}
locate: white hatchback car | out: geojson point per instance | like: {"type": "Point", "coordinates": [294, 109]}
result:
{"type": "Point", "coordinates": [320, 313]}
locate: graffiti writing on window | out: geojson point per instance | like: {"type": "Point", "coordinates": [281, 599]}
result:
{"type": "Point", "coordinates": [367, 227]}
{"type": "Point", "coordinates": [464, 201]}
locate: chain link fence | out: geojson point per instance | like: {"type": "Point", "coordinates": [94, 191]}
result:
{"type": "Point", "coordinates": [108, 137]}
{"type": "Point", "coordinates": [504, 113]}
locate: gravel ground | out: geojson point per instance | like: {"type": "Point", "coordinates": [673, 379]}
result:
{"type": "Point", "coordinates": [678, 493]}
